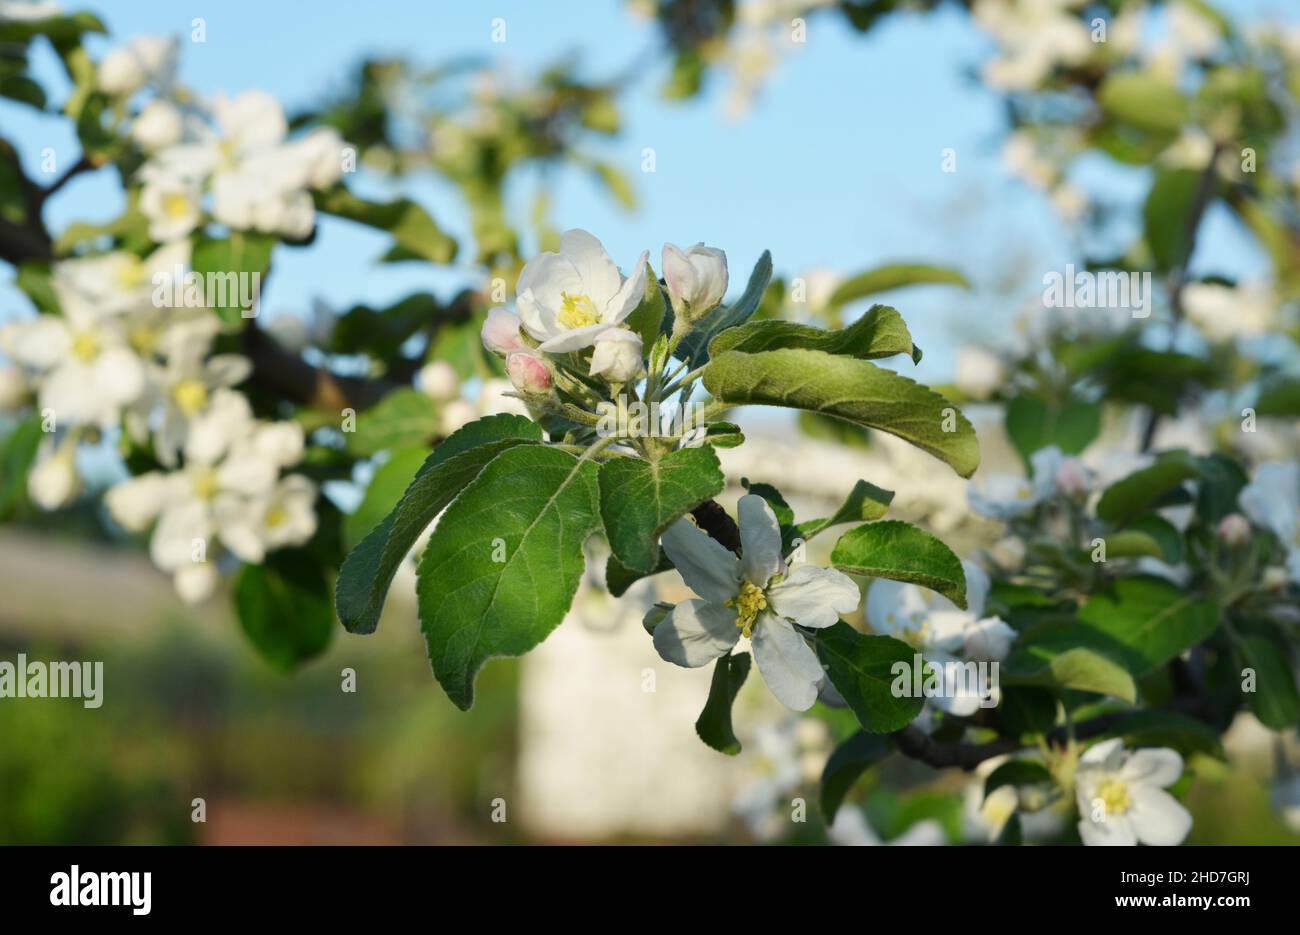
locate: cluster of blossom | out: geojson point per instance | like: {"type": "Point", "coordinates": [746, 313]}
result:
{"type": "Point", "coordinates": [577, 299]}
{"type": "Point", "coordinates": [1035, 37]}
{"type": "Point", "coordinates": [1269, 503]}
{"type": "Point", "coordinates": [235, 149]}
{"type": "Point", "coordinates": [114, 357]}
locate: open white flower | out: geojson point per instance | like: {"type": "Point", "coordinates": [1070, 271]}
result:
{"type": "Point", "coordinates": [1002, 495]}
{"type": "Point", "coordinates": [173, 204]}
{"type": "Point", "coordinates": [567, 299]}
{"type": "Point", "coordinates": [1122, 798]}
{"type": "Point", "coordinates": [185, 385]}
{"type": "Point", "coordinates": [1272, 501]}
{"type": "Point", "coordinates": [53, 481]}
{"type": "Point", "coordinates": [85, 369]}
{"type": "Point", "coordinates": [756, 596]}
{"type": "Point", "coordinates": [942, 631]}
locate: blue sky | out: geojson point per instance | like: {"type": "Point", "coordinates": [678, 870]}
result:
{"type": "Point", "coordinates": [837, 165]}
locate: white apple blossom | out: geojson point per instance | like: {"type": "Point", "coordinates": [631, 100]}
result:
{"type": "Point", "coordinates": [1001, 495]}
{"type": "Point", "coordinates": [942, 631]}
{"type": "Point", "coordinates": [500, 332]}
{"type": "Point", "coordinates": [143, 60]}
{"type": "Point", "coordinates": [438, 380]}
{"type": "Point", "coordinates": [567, 299]}
{"type": "Point", "coordinates": [14, 391]}
{"type": "Point", "coordinates": [28, 10]}
{"type": "Point", "coordinates": [173, 204]}
{"type": "Point", "coordinates": [696, 279]}
{"type": "Point", "coordinates": [617, 356]}
{"type": "Point", "coordinates": [1272, 501]}
{"type": "Point", "coordinates": [158, 125]}
{"type": "Point", "coordinates": [755, 595]}
{"type": "Point", "coordinates": [1228, 312]}
{"type": "Point", "coordinates": [84, 369]}
{"type": "Point", "coordinates": [1122, 798]}
{"type": "Point", "coordinates": [1034, 36]}
{"type": "Point", "coordinates": [52, 481]}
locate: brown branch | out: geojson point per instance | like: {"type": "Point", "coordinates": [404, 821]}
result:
{"type": "Point", "coordinates": [84, 164]}
{"type": "Point", "coordinates": [1178, 275]}
{"type": "Point", "coordinates": [713, 519]}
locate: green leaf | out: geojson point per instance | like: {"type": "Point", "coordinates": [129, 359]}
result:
{"type": "Point", "coordinates": [227, 266]}
{"type": "Point", "coordinates": [1167, 729]}
{"type": "Point", "coordinates": [412, 227]}
{"type": "Point", "coordinates": [892, 276]}
{"type": "Point", "coordinates": [504, 562]}
{"type": "Point", "coordinates": [1131, 543]}
{"type": "Point", "coordinates": [1069, 657]}
{"type": "Point", "coordinates": [1016, 773]}
{"type": "Point", "coordinates": [386, 487]}
{"type": "Point", "coordinates": [369, 569]}
{"type": "Point", "coordinates": [1165, 533]}
{"type": "Point", "coordinates": [1033, 424]}
{"type": "Point", "coordinates": [1135, 493]}
{"type": "Point", "coordinates": [878, 333]}
{"type": "Point", "coordinates": [34, 280]}
{"type": "Point", "coordinates": [1027, 709]}
{"type": "Point", "coordinates": [714, 723]}
{"type": "Point", "coordinates": [402, 418]}
{"type": "Point", "coordinates": [639, 499]}
{"type": "Point", "coordinates": [695, 346]}
{"type": "Point", "coordinates": [17, 452]}
{"type": "Point", "coordinates": [844, 767]}
{"type": "Point", "coordinates": [865, 502]}
{"type": "Point", "coordinates": [901, 552]}
{"type": "Point", "coordinates": [284, 607]}
{"type": "Point", "coordinates": [618, 577]}
{"type": "Point", "coordinates": [1275, 700]}
{"type": "Point", "coordinates": [1279, 397]}
{"type": "Point", "coordinates": [1152, 618]}
{"type": "Point", "coordinates": [862, 670]}
{"type": "Point", "coordinates": [1143, 100]}
{"type": "Point", "coordinates": [1221, 481]}
{"type": "Point", "coordinates": [853, 390]}
{"type": "Point", "coordinates": [1166, 215]}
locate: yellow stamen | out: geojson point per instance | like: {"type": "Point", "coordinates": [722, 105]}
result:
{"type": "Point", "coordinates": [130, 273]}
{"type": "Point", "coordinates": [190, 396]}
{"type": "Point", "coordinates": [205, 484]}
{"type": "Point", "coordinates": [275, 516]}
{"type": "Point", "coordinates": [85, 346]}
{"type": "Point", "coordinates": [1114, 794]}
{"type": "Point", "coordinates": [143, 339]}
{"type": "Point", "coordinates": [577, 311]}
{"type": "Point", "coordinates": [175, 205]}
{"type": "Point", "coordinates": [748, 603]}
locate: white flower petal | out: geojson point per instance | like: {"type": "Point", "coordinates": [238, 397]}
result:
{"type": "Point", "coordinates": [1114, 832]}
{"type": "Point", "coordinates": [1157, 817]}
{"type": "Point", "coordinates": [695, 633]}
{"type": "Point", "coordinates": [574, 339]}
{"type": "Point", "coordinates": [1105, 754]}
{"type": "Point", "coordinates": [977, 588]}
{"type": "Point", "coordinates": [1153, 767]}
{"type": "Point", "coordinates": [760, 540]}
{"type": "Point", "coordinates": [814, 597]}
{"type": "Point", "coordinates": [708, 568]}
{"type": "Point", "coordinates": [629, 295]}
{"type": "Point", "coordinates": [789, 667]}
{"type": "Point", "coordinates": [600, 278]}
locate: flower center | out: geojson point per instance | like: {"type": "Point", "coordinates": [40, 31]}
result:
{"type": "Point", "coordinates": [143, 339]}
{"type": "Point", "coordinates": [130, 273]}
{"type": "Point", "coordinates": [577, 311]}
{"type": "Point", "coordinates": [205, 484]}
{"type": "Point", "coordinates": [275, 516]}
{"type": "Point", "coordinates": [1114, 795]}
{"type": "Point", "coordinates": [747, 603]}
{"type": "Point", "coordinates": [85, 346]}
{"type": "Point", "coordinates": [190, 396]}
{"type": "Point", "coordinates": [175, 205]}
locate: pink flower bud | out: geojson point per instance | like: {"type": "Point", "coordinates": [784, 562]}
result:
{"type": "Point", "coordinates": [528, 372]}
{"type": "Point", "coordinates": [1234, 529]}
{"type": "Point", "coordinates": [501, 332]}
